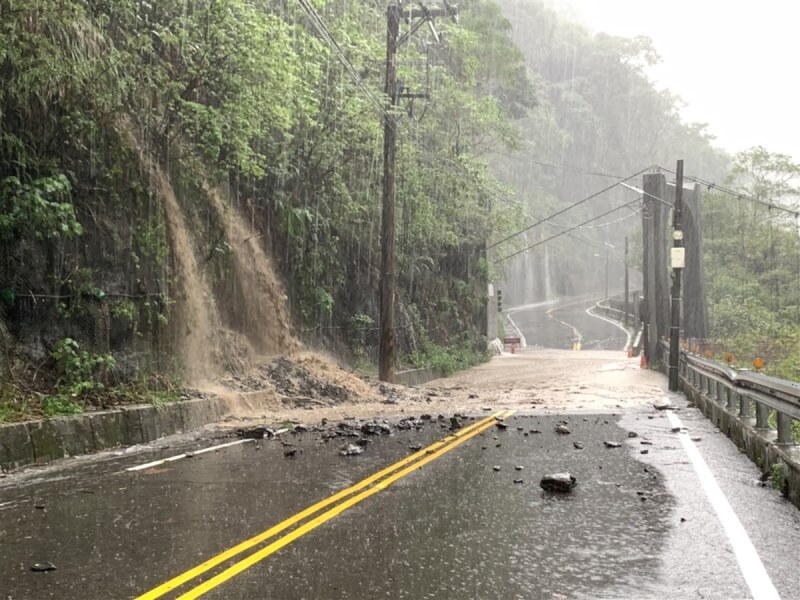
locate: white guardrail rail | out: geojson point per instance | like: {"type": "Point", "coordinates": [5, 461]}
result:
{"type": "Point", "coordinates": [745, 392]}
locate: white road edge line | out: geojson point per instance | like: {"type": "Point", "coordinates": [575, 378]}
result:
{"type": "Point", "coordinates": [612, 322]}
{"type": "Point", "coordinates": [155, 463]}
{"type": "Point", "coordinates": [750, 564]}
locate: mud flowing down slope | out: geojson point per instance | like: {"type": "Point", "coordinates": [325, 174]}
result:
{"type": "Point", "coordinates": [266, 322]}
{"type": "Point", "coordinates": [206, 346]}
{"type": "Point", "coordinates": [199, 319]}
{"type": "Point", "coordinates": [200, 329]}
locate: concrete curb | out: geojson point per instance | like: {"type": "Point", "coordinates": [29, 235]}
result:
{"type": "Point", "coordinates": [759, 445]}
{"type": "Point", "coordinates": [417, 376]}
{"type": "Point", "coordinates": [38, 442]}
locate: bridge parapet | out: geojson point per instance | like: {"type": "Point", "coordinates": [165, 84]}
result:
{"type": "Point", "coordinates": [756, 411]}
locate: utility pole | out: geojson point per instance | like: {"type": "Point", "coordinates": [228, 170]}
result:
{"type": "Point", "coordinates": [386, 348]}
{"type": "Point", "coordinates": [678, 262]}
{"type": "Point", "coordinates": [394, 13]}
{"type": "Point", "coordinates": [627, 305]}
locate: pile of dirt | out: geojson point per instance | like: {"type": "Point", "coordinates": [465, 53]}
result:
{"type": "Point", "coordinates": [304, 381]}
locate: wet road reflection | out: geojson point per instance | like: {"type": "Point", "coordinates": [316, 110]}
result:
{"type": "Point", "coordinates": [552, 326]}
{"type": "Point", "coordinates": [461, 529]}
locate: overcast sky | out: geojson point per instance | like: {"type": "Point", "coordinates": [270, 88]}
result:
{"type": "Point", "coordinates": [736, 63]}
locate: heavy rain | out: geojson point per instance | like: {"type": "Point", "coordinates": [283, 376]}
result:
{"type": "Point", "coordinates": [388, 299]}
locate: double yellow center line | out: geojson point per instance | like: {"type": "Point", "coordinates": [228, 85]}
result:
{"type": "Point", "coordinates": [365, 488]}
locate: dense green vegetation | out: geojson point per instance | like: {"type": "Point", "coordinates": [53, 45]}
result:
{"type": "Point", "coordinates": [109, 106]}
{"type": "Point", "coordinates": [600, 117]}
{"type": "Point", "coordinates": [244, 96]}
{"type": "Point", "coordinates": [752, 263]}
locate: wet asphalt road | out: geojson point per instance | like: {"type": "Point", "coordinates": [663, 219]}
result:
{"type": "Point", "coordinates": [457, 528]}
{"type": "Point", "coordinates": [559, 324]}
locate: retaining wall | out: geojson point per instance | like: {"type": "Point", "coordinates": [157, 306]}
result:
{"type": "Point", "coordinates": [417, 376]}
{"type": "Point", "coordinates": [36, 442]}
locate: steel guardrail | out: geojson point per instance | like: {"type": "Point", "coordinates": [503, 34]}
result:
{"type": "Point", "coordinates": [765, 391]}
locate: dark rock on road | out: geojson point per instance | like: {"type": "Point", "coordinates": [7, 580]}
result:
{"type": "Point", "coordinates": [558, 482]}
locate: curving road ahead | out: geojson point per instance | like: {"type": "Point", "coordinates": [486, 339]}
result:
{"type": "Point", "coordinates": [565, 322]}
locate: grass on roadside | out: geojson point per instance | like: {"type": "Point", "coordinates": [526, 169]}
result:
{"type": "Point", "coordinates": [18, 405]}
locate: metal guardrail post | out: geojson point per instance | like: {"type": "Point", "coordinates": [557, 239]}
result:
{"type": "Point", "coordinates": [784, 429]}
{"type": "Point", "coordinates": [733, 399]}
{"type": "Point", "coordinates": [762, 416]}
{"type": "Point", "coordinates": [744, 406]}
{"type": "Point", "coordinates": [757, 395]}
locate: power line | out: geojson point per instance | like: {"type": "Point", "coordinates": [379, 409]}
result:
{"type": "Point", "coordinates": [570, 207]}
{"type": "Point", "coordinates": [577, 238]}
{"type": "Point", "coordinates": [325, 34]}
{"type": "Point", "coordinates": [726, 190]}
{"type": "Point", "coordinates": [566, 231]}
{"type": "Point", "coordinates": [563, 167]}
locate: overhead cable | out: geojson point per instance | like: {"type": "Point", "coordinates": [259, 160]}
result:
{"type": "Point", "coordinates": [570, 207]}
{"type": "Point", "coordinates": [726, 190]}
{"type": "Point", "coordinates": [563, 167]}
{"type": "Point", "coordinates": [577, 238]}
{"type": "Point", "coordinates": [325, 34]}
{"type": "Point", "coordinates": [552, 237]}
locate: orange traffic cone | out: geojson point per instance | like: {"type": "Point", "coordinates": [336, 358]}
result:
{"type": "Point", "coordinates": [643, 362]}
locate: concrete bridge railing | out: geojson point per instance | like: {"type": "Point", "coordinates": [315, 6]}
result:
{"type": "Point", "coordinates": [746, 393]}
{"type": "Point", "coordinates": [740, 403]}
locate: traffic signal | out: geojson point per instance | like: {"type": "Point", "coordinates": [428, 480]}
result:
{"type": "Point", "coordinates": [499, 301]}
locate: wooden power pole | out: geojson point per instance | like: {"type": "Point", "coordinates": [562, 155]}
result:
{"type": "Point", "coordinates": [678, 262]}
{"type": "Point", "coordinates": [386, 349]}
{"type": "Point", "coordinates": [394, 13]}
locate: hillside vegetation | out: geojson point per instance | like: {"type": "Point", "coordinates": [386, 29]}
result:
{"type": "Point", "coordinates": [186, 185]}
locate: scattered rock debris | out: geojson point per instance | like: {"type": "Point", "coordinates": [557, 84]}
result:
{"type": "Point", "coordinates": [352, 450]}
{"type": "Point", "coordinates": [578, 445]}
{"type": "Point", "coordinates": [562, 429]}
{"type": "Point", "coordinates": [496, 468]}
{"type": "Point", "coordinates": [376, 429]}
{"type": "Point", "coordinates": [258, 432]}
{"type": "Point", "coordinates": [610, 444]}
{"type": "Point", "coordinates": [43, 567]}
{"type": "Point", "coordinates": [558, 482]}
